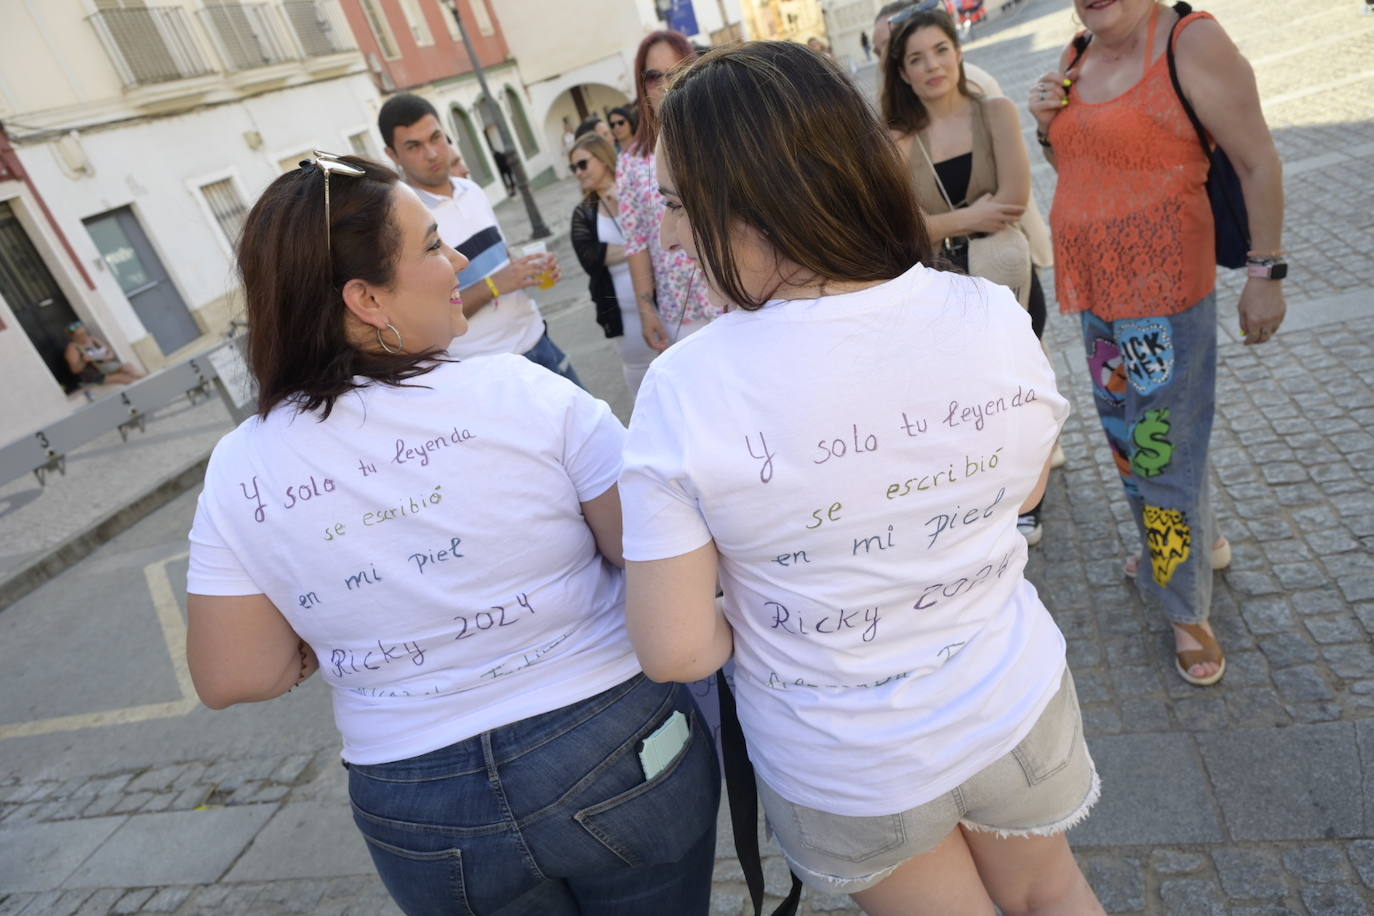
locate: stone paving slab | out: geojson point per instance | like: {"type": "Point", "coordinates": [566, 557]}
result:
{"type": "Point", "coordinates": [174, 847]}
{"type": "Point", "coordinates": [40, 857]}
{"type": "Point", "coordinates": [1153, 791]}
{"type": "Point", "coordinates": [1295, 783]}
{"type": "Point", "coordinates": [305, 840]}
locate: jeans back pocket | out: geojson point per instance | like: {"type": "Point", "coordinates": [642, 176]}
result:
{"type": "Point", "coordinates": [1050, 744]}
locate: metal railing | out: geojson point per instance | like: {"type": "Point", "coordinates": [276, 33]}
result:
{"type": "Point", "coordinates": [152, 44]}
{"type": "Point", "coordinates": [317, 26]}
{"type": "Point", "coordinates": [246, 35]}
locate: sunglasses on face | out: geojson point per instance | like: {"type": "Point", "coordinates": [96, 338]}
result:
{"type": "Point", "coordinates": [924, 6]}
{"type": "Point", "coordinates": [618, 122]}
{"type": "Point", "coordinates": [653, 77]}
{"type": "Point", "coordinates": [579, 165]}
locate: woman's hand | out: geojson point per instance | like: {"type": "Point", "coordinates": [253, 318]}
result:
{"type": "Point", "coordinates": [1261, 310]}
{"type": "Point", "coordinates": [1049, 95]}
{"type": "Point", "coordinates": [654, 334]}
{"type": "Point", "coordinates": [987, 215]}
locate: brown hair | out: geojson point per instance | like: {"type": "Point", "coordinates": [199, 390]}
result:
{"type": "Point", "coordinates": [602, 151]}
{"type": "Point", "coordinates": [903, 110]}
{"type": "Point", "coordinates": [810, 168]}
{"type": "Point", "coordinates": [646, 134]}
{"type": "Point", "coordinates": [298, 346]}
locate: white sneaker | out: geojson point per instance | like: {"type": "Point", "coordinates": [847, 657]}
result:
{"type": "Point", "coordinates": [1030, 528]}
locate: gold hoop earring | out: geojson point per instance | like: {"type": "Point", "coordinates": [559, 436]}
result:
{"type": "Point", "coordinates": [400, 343]}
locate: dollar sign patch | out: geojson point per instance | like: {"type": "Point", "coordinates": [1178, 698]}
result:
{"type": "Point", "coordinates": [1153, 450]}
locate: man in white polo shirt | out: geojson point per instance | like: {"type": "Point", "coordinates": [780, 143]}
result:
{"type": "Point", "coordinates": [502, 318]}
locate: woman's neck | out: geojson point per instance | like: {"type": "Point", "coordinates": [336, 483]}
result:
{"type": "Point", "coordinates": [605, 190]}
{"type": "Point", "coordinates": [1117, 45]}
{"type": "Point", "coordinates": [948, 105]}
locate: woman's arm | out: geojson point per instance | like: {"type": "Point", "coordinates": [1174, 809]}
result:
{"type": "Point", "coordinates": [1221, 86]}
{"type": "Point", "coordinates": [76, 360]}
{"type": "Point", "coordinates": [591, 253]}
{"type": "Point", "coordinates": [1009, 148]}
{"type": "Point", "coordinates": [615, 254]}
{"type": "Point", "coordinates": [603, 517]}
{"type": "Point", "coordinates": [678, 629]}
{"type": "Point", "coordinates": [240, 649]}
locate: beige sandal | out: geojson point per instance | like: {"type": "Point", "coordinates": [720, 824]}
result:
{"type": "Point", "coordinates": [1209, 653]}
{"type": "Point", "coordinates": [1221, 558]}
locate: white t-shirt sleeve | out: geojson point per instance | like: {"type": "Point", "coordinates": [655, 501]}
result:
{"type": "Point", "coordinates": [662, 515]}
{"type": "Point", "coordinates": [593, 444]}
{"type": "Point", "coordinates": [214, 567]}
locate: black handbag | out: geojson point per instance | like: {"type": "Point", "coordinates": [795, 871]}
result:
{"type": "Point", "coordinates": [1229, 217]}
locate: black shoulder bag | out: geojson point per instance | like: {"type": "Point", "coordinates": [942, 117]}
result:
{"type": "Point", "coordinates": [1223, 183]}
{"type": "Point", "coordinates": [744, 803]}
{"type": "Point", "coordinates": [1229, 217]}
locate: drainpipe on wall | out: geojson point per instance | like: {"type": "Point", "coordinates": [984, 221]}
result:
{"type": "Point", "coordinates": [11, 167]}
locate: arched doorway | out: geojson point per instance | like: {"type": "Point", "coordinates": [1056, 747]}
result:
{"type": "Point", "coordinates": [465, 135]}
{"type": "Point", "coordinates": [577, 103]}
{"type": "Point", "coordinates": [522, 123]}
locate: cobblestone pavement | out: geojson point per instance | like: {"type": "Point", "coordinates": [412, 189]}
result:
{"type": "Point", "coordinates": [1254, 797]}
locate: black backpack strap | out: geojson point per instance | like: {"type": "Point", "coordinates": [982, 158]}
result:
{"type": "Point", "coordinates": [743, 793]}
{"type": "Point", "coordinates": [1184, 10]}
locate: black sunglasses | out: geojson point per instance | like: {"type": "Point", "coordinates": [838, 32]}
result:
{"type": "Point", "coordinates": [619, 122]}
{"type": "Point", "coordinates": [580, 165]}
{"type": "Point", "coordinates": [653, 77]}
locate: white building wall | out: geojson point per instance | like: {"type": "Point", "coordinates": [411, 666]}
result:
{"type": "Point", "coordinates": [156, 166]}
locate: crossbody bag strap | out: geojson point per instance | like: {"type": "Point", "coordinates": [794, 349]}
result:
{"type": "Point", "coordinates": [743, 793]}
{"type": "Point", "coordinates": [916, 138]}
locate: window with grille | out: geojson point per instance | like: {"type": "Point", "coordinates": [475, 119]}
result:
{"type": "Point", "coordinates": [415, 18]}
{"type": "Point", "coordinates": [376, 20]}
{"type": "Point", "coordinates": [227, 207]}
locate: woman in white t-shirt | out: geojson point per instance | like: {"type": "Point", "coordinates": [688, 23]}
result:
{"type": "Point", "coordinates": [846, 452]}
{"type": "Point", "coordinates": [440, 539]}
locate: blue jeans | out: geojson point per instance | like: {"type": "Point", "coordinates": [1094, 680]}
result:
{"type": "Point", "coordinates": [550, 816]}
{"type": "Point", "coordinates": [1154, 384]}
{"type": "Point", "coordinates": [547, 354]}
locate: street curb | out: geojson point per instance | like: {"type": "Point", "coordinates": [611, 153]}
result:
{"type": "Point", "coordinates": [78, 547]}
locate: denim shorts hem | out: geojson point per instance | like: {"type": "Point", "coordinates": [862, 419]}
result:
{"type": "Point", "coordinates": [835, 884]}
{"type": "Point", "coordinates": [1054, 828]}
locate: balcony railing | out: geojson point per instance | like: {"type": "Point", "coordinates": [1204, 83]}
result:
{"type": "Point", "coordinates": [319, 33]}
{"type": "Point", "coordinates": [150, 44]}
{"type": "Point", "coordinates": [246, 35]}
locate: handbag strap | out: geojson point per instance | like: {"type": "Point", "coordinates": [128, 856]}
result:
{"type": "Point", "coordinates": [744, 803]}
{"type": "Point", "coordinates": [916, 138]}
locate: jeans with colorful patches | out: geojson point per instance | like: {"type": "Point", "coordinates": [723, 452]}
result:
{"type": "Point", "coordinates": [1154, 383]}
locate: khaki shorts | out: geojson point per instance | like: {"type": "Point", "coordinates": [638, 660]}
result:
{"type": "Point", "coordinates": [1043, 787]}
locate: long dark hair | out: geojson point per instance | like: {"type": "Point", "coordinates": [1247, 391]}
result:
{"type": "Point", "coordinates": [646, 133]}
{"type": "Point", "coordinates": [810, 168]}
{"type": "Point", "coordinates": [903, 110]}
{"type": "Point", "coordinates": [298, 346]}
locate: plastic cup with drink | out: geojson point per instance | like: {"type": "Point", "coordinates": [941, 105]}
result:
{"type": "Point", "coordinates": [546, 278]}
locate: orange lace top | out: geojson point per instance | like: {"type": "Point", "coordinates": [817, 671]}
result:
{"type": "Point", "coordinates": [1133, 231]}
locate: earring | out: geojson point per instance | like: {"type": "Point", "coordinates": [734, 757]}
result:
{"type": "Point", "coordinates": [400, 343]}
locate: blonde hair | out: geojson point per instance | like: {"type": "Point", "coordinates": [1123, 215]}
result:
{"type": "Point", "coordinates": [602, 151]}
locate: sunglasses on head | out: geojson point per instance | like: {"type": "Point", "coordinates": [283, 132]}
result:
{"type": "Point", "coordinates": [653, 77]}
{"type": "Point", "coordinates": [924, 6]}
{"type": "Point", "coordinates": [579, 165]}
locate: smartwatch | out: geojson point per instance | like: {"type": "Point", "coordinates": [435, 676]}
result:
{"type": "Point", "coordinates": [1266, 268]}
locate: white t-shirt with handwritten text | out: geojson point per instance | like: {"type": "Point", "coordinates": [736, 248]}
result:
{"type": "Point", "coordinates": [429, 545]}
{"type": "Point", "coordinates": [859, 461]}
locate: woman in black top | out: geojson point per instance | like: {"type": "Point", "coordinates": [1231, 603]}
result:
{"type": "Point", "coordinates": [600, 248]}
